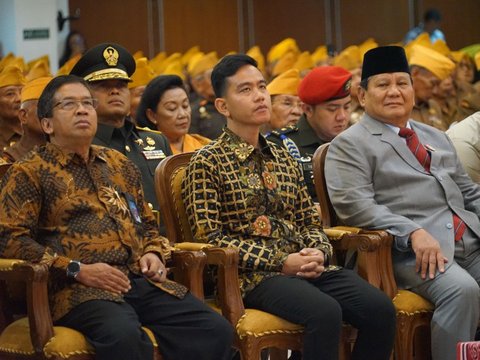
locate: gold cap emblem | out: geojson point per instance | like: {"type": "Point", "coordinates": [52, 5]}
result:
{"type": "Point", "coordinates": [111, 56]}
{"type": "Point", "coordinates": [150, 141]}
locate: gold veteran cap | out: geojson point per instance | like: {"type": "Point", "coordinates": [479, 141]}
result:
{"type": "Point", "coordinates": [200, 64]}
{"type": "Point", "coordinates": [12, 75]}
{"type": "Point", "coordinates": [368, 44]}
{"type": "Point", "coordinates": [285, 63]}
{"type": "Point", "coordinates": [304, 62]}
{"type": "Point", "coordinates": [175, 68]}
{"type": "Point", "coordinates": [441, 47]}
{"type": "Point", "coordinates": [104, 62]}
{"type": "Point", "coordinates": [39, 69]}
{"type": "Point", "coordinates": [68, 66]}
{"type": "Point", "coordinates": [285, 83]}
{"type": "Point", "coordinates": [143, 73]}
{"type": "Point", "coordinates": [189, 53]}
{"type": "Point", "coordinates": [320, 55]}
{"type": "Point", "coordinates": [34, 88]}
{"type": "Point", "coordinates": [349, 58]}
{"type": "Point", "coordinates": [280, 49]}
{"type": "Point", "coordinates": [256, 54]}
{"type": "Point", "coordinates": [436, 63]}
{"type": "Point", "coordinates": [6, 60]}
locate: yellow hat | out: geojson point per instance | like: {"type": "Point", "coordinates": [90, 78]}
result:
{"type": "Point", "coordinates": [156, 62]}
{"type": "Point", "coordinates": [199, 64]}
{"type": "Point", "coordinates": [68, 66]}
{"type": "Point", "coordinates": [12, 75]}
{"type": "Point", "coordinates": [34, 88]}
{"type": "Point", "coordinates": [142, 75]}
{"type": "Point", "coordinates": [457, 56]}
{"type": "Point", "coordinates": [172, 58]}
{"type": "Point", "coordinates": [40, 59]}
{"type": "Point", "coordinates": [441, 47]}
{"type": "Point", "coordinates": [285, 63]}
{"type": "Point", "coordinates": [189, 53]}
{"type": "Point", "coordinates": [138, 55]}
{"type": "Point", "coordinates": [320, 55]}
{"type": "Point", "coordinates": [285, 83]}
{"type": "Point", "coordinates": [255, 53]}
{"type": "Point", "coordinates": [368, 44]}
{"type": "Point", "coordinates": [40, 69]}
{"type": "Point", "coordinates": [175, 68]}
{"type": "Point", "coordinates": [6, 60]}
{"type": "Point", "coordinates": [279, 50]}
{"type": "Point", "coordinates": [349, 58]}
{"type": "Point", "coordinates": [438, 64]}
{"type": "Point", "coordinates": [477, 60]}
{"type": "Point", "coordinates": [304, 62]}
{"type": "Point", "coordinates": [18, 62]}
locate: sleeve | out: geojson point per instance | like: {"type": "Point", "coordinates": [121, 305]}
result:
{"type": "Point", "coordinates": [20, 206]}
{"type": "Point", "coordinates": [469, 156]}
{"type": "Point", "coordinates": [202, 197]}
{"type": "Point", "coordinates": [349, 175]}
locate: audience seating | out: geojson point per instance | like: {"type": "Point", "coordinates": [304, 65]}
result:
{"type": "Point", "coordinates": [256, 330]}
{"type": "Point", "coordinates": [414, 313]}
{"type": "Point", "coordinates": [26, 327]}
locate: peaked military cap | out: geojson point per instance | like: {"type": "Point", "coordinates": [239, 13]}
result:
{"type": "Point", "coordinates": [104, 62]}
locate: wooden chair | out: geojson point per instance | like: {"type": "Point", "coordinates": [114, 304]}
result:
{"type": "Point", "coordinates": [256, 330]}
{"type": "Point", "coordinates": [414, 313]}
{"type": "Point", "coordinates": [26, 327]}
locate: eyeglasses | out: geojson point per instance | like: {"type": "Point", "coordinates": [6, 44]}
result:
{"type": "Point", "coordinates": [72, 104]}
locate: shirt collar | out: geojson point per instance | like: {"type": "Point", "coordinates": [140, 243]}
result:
{"type": "Point", "coordinates": [64, 158]}
{"type": "Point", "coordinates": [241, 149]}
{"type": "Point", "coordinates": [396, 129]}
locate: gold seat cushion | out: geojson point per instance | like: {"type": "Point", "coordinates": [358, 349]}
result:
{"type": "Point", "coordinates": [409, 303]}
{"type": "Point", "coordinates": [66, 342]}
{"type": "Point", "coordinates": [259, 323]}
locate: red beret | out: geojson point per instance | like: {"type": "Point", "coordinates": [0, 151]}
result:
{"type": "Point", "coordinates": [324, 83]}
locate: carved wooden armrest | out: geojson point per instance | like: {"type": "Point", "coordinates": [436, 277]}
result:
{"type": "Point", "coordinates": [188, 269]}
{"type": "Point", "coordinates": [35, 278]}
{"type": "Point", "coordinates": [228, 288]}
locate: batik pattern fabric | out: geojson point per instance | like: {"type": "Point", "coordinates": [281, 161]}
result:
{"type": "Point", "coordinates": [252, 199]}
{"type": "Point", "coordinates": [56, 207]}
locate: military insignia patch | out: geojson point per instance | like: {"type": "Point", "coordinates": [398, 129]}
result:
{"type": "Point", "coordinates": [110, 55]}
{"type": "Point", "coordinates": [150, 141]}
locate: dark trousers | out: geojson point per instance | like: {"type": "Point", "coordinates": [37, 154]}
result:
{"type": "Point", "coordinates": [184, 329]}
{"type": "Point", "coordinates": [321, 304]}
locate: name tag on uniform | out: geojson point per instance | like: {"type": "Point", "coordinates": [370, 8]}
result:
{"type": "Point", "coordinates": [133, 208]}
{"type": "Point", "coordinates": [307, 166]}
{"type": "Point", "coordinates": [153, 154]}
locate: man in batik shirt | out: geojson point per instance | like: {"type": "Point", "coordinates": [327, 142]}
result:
{"type": "Point", "coordinates": [80, 209]}
{"type": "Point", "coordinates": [245, 192]}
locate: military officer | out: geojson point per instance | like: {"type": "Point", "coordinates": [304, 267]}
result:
{"type": "Point", "coordinates": [325, 93]}
{"type": "Point", "coordinates": [108, 67]}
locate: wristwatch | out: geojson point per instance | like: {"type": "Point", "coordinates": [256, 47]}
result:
{"type": "Point", "coordinates": [73, 268]}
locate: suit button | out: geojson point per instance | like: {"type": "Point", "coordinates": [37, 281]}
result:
{"type": "Point", "coordinates": [449, 226]}
{"type": "Point", "coordinates": [440, 178]}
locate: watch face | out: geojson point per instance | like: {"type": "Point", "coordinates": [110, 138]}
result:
{"type": "Point", "coordinates": [73, 268]}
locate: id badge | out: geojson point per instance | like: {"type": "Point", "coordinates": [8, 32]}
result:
{"type": "Point", "coordinates": [133, 208]}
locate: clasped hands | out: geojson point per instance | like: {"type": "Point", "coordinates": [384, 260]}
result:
{"type": "Point", "coordinates": [106, 277]}
{"type": "Point", "coordinates": [307, 263]}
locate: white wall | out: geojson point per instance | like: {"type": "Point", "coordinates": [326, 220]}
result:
{"type": "Point", "coordinates": [19, 15]}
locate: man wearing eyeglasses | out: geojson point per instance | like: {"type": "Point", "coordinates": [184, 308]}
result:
{"type": "Point", "coordinates": [325, 93]}
{"type": "Point", "coordinates": [80, 209]}
{"type": "Point", "coordinates": [107, 68]}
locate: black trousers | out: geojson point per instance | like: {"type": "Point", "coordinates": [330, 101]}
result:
{"type": "Point", "coordinates": [321, 304]}
{"type": "Point", "coordinates": [185, 329]}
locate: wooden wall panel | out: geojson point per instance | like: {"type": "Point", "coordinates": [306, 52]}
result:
{"type": "Point", "coordinates": [303, 20]}
{"type": "Point", "coordinates": [121, 21]}
{"type": "Point", "coordinates": [211, 24]}
{"type": "Point", "coordinates": [385, 21]}
{"type": "Point", "coordinates": [460, 20]}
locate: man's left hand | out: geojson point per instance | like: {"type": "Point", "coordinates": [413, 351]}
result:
{"type": "Point", "coordinates": [152, 267]}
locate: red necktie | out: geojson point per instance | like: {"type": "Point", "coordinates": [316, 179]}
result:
{"type": "Point", "coordinates": [423, 158]}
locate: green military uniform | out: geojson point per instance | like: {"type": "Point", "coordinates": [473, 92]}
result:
{"type": "Point", "coordinates": [144, 147]}
{"type": "Point", "coordinates": [301, 142]}
{"type": "Point", "coordinates": [206, 120]}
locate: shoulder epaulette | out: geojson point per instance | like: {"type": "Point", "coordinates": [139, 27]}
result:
{"type": "Point", "coordinates": [283, 131]}
{"type": "Point", "coordinates": [148, 130]}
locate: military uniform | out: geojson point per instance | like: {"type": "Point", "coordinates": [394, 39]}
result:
{"type": "Point", "coordinates": [301, 142]}
{"type": "Point", "coordinates": [206, 120]}
{"type": "Point", "coordinates": [430, 115]}
{"type": "Point", "coordinates": [144, 147]}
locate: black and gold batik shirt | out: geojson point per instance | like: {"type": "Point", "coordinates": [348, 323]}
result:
{"type": "Point", "coordinates": [55, 207]}
{"type": "Point", "coordinates": [252, 199]}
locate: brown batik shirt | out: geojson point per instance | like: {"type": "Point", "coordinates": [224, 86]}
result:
{"type": "Point", "coordinates": [254, 200]}
{"type": "Point", "coordinates": [54, 207]}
